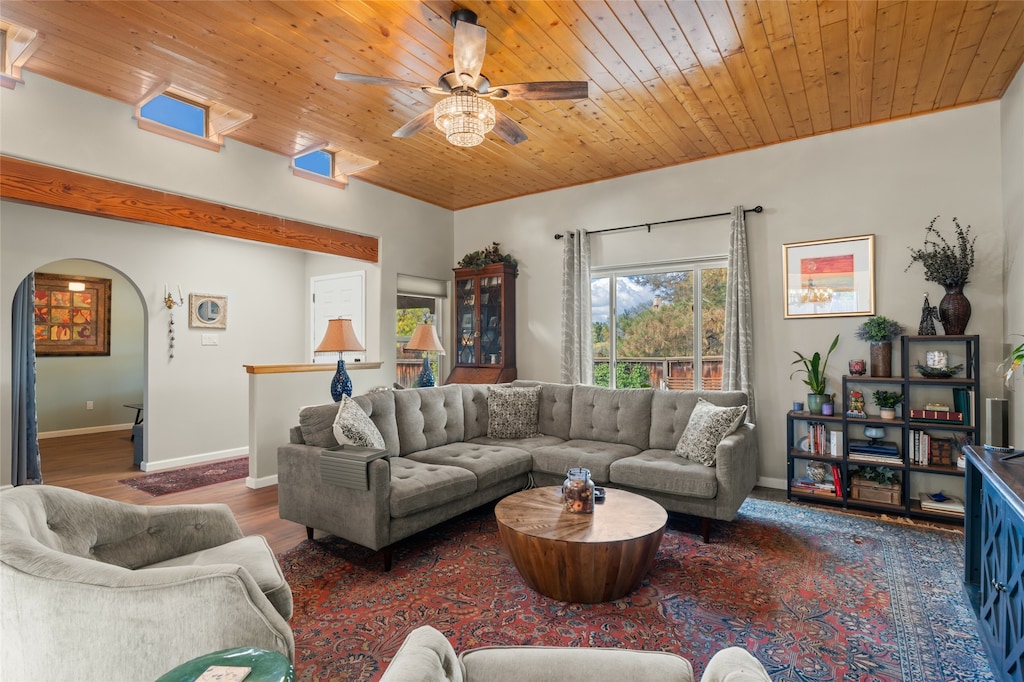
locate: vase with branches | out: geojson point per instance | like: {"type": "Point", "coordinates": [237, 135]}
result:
{"type": "Point", "coordinates": [948, 264]}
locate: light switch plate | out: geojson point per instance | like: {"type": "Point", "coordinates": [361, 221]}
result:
{"type": "Point", "coordinates": [209, 339]}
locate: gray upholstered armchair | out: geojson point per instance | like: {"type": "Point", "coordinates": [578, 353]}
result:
{"type": "Point", "coordinates": [93, 589]}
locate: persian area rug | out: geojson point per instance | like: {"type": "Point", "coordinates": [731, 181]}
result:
{"type": "Point", "coordinates": [815, 595]}
{"type": "Point", "coordinates": [188, 478]}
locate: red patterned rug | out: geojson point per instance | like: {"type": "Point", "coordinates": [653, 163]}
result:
{"type": "Point", "coordinates": [178, 480]}
{"type": "Point", "coordinates": [814, 595]}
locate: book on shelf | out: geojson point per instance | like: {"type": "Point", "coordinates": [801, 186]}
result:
{"type": "Point", "coordinates": [809, 487]}
{"type": "Point", "coordinates": [937, 416]}
{"type": "Point", "coordinates": [920, 447]}
{"type": "Point", "coordinates": [882, 460]}
{"type": "Point", "coordinates": [836, 444]}
{"type": "Point", "coordinates": [942, 503]}
{"type": "Point", "coordinates": [963, 402]}
{"type": "Point", "coordinates": [877, 447]}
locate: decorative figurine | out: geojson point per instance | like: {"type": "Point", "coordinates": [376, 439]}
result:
{"type": "Point", "coordinates": [929, 314]}
{"type": "Point", "coordinates": [856, 405]}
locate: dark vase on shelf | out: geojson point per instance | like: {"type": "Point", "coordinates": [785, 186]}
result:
{"type": "Point", "coordinates": [954, 311]}
{"type": "Point", "coordinates": [881, 358]}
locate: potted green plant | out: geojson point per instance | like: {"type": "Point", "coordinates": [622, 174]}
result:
{"type": "Point", "coordinates": [1011, 364]}
{"type": "Point", "coordinates": [887, 402]}
{"type": "Point", "coordinates": [950, 266]}
{"type": "Point", "coordinates": [815, 379]}
{"type": "Point", "coordinates": [880, 332]}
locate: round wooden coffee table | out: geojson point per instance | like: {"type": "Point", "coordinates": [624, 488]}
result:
{"type": "Point", "coordinates": [584, 558]}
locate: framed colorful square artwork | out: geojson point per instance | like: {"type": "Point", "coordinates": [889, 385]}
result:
{"type": "Point", "coordinates": [829, 277]}
{"type": "Point", "coordinates": [72, 315]}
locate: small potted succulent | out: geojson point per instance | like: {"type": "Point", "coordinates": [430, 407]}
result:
{"type": "Point", "coordinates": [887, 402]}
{"type": "Point", "coordinates": [880, 332]}
{"type": "Point", "coordinates": [814, 369]}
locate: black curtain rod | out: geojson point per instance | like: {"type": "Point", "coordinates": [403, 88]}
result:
{"type": "Point", "coordinates": [756, 209]}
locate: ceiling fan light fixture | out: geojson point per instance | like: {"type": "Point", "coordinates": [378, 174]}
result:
{"type": "Point", "coordinates": [464, 118]}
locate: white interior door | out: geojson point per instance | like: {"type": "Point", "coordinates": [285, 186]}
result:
{"type": "Point", "coordinates": [339, 295]}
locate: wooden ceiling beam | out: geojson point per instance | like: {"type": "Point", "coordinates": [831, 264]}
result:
{"type": "Point", "coordinates": [60, 189]}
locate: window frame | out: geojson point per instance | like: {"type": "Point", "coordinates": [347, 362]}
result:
{"type": "Point", "coordinates": [694, 265]}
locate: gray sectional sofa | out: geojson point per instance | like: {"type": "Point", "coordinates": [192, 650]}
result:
{"type": "Point", "coordinates": [440, 461]}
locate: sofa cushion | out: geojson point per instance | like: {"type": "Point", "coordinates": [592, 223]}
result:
{"type": "Point", "coordinates": [418, 486]}
{"type": "Point", "coordinates": [512, 412]}
{"type": "Point", "coordinates": [352, 426]}
{"type": "Point", "coordinates": [708, 425]}
{"type": "Point", "coordinates": [670, 412]}
{"type": "Point", "coordinates": [317, 425]}
{"type": "Point", "coordinates": [429, 417]}
{"type": "Point", "coordinates": [528, 444]}
{"type": "Point", "coordinates": [554, 413]}
{"type": "Point", "coordinates": [255, 556]}
{"type": "Point", "coordinates": [593, 455]}
{"type": "Point", "coordinates": [664, 471]}
{"type": "Point", "coordinates": [612, 415]}
{"type": "Point", "coordinates": [489, 463]}
{"type": "Point", "coordinates": [380, 406]}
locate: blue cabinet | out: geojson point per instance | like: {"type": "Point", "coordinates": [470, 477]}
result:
{"type": "Point", "coordinates": [994, 536]}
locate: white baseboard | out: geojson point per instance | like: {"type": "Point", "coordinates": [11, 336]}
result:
{"type": "Point", "coordinates": [85, 430]}
{"type": "Point", "coordinates": [256, 483]}
{"type": "Point", "coordinates": [193, 459]}
{"type": "Point", "coordinates": [776, 483]}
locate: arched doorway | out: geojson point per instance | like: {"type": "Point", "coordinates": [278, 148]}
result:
{"type": "Point", "coordinates": [84, 397]}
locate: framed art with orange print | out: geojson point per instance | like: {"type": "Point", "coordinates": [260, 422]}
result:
{"type": "Point", "coordinates": [829, 277]}
{"type": "Point", "coordinates": [72, 315]}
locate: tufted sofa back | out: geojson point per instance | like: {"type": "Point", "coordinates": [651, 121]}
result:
{"type": "Point", "coordinates": [429, 417]}
{"type": "Point", "coordinates": [621, 415]}
{"type": "Point", "coordinates": [671, 410]}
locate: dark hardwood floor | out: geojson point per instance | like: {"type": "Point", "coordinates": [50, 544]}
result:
{"type": "Point", "coordinates": [94, 463]}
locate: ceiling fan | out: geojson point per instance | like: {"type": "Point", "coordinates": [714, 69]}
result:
{"type": "Point", "coordinates": [465, 114]}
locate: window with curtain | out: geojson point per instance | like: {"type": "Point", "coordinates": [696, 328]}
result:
{"type": "Point", "coordinates": [419, 300]}
{"type": "Point", "coordinates": [659, 326]}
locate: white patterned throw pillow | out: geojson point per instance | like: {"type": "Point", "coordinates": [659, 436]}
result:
{"type": "Point", "coordinates": [708, 425]}
{"type": "Point", "coordinates": [512, 412]}
{"type": "Point", "coordinates": [352, 426]}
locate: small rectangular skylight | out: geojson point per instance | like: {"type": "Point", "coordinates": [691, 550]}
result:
{"type": "Point", "coordinates": [176, 113]}
{"type": "Point", "coordinates": [319, 162]}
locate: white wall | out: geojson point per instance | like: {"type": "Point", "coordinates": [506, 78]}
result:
{"type": "Point", "coordinates": [1012, 130]}
{"type": "Point", "coordinates": [197, 403]}
{"type": "Point", "coordinates": [889, 180]}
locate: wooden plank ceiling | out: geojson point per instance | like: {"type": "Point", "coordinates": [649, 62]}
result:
{"type": "Point", "coordinates": [670, 82]}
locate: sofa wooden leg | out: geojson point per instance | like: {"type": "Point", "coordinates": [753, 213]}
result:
{"type": "Point", "coordinates": [705, 527]}
{"type": "Point", "coordinates": [309, 533]}
{"type": "Point", "coordinates": [387, 558]}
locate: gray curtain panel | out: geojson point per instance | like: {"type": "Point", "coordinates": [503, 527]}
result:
{"type": "Point", "coordinates": [738, 364]}
{"type": "Point", "coordinates": [25, 464]}
{"type": "Point", "coordinates": [577, 347]}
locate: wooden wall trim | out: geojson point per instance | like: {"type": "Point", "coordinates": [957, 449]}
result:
{"type": "Point", "coordinates": [309, 367]}
{"type": "Point", "coordinates": [65, 190]}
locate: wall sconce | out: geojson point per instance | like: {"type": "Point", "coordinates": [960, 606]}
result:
{"type": "Point", "coordinates": [171, 304]}
{"type": "Point", "coordinates": [340, 337]}
{"type": "Point", "coordinates": [424, 338]}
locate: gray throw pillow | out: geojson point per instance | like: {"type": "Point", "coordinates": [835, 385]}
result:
{"type": "Point", "coordinates": [512, 412]}
{"type": "Point", "coordinates": [352, 426]}
{"type": "Point", "coordinates": [708, 425]}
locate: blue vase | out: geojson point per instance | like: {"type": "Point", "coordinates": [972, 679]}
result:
{"type": "Point", "coordinates": [426, 377]}
{"type": "Point", "coordinates": [341, 384]}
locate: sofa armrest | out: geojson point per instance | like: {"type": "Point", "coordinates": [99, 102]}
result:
{"type": "Point", "coordinates": [360, 516]}
{"type": "Point", "coordinates": [425, 655]}
{"type": "Point", "coordinates": [93, 609]}
{"type": "Point", "coordinates": [572, 664]}
{"type": "Point", "coordinates": [736, 467]}
{"type": "Point", "coordinates": [734, 665]}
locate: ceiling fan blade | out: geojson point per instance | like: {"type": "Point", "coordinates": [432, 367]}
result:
{"type": "Point", "coordinates": [469, 49]}
{"type": "Point", "coordinates": [415, 125]}
{"type": "Point", "coordinates": [542, 90]}
{"type": "Point", "coordinates": [376, 80]}
{"type": "Point", "coordinates": [507, 129]}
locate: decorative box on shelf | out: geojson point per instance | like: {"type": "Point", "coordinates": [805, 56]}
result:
{"type": "Point", "coordinates": [870, 491]}
{"type": "Point", "coordinates": [942, 452]}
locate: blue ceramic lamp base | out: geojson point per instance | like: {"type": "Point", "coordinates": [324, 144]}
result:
{"type": "Point", "coordinates": [341, 384]}
{"type": "Point", "coordinates": [426, 376]}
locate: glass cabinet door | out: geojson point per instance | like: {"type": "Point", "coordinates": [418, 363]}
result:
{"type": "Point", "coordinates": [490, 320]}
{"type": "Point", "coordinates": [466, 319]}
